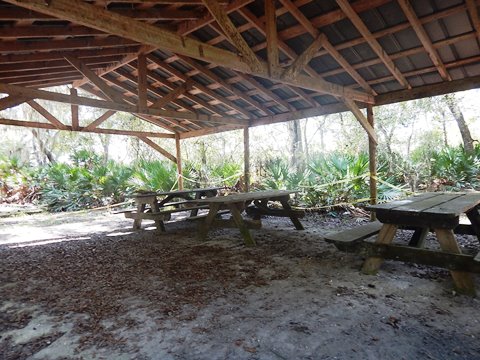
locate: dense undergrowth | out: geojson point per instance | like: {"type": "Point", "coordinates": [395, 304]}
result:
{"type": "Point", "coordinates": [88, 181]}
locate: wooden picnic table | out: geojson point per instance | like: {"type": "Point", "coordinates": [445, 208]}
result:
{"type": "Point", "coordinates": [158, 206]}
{"type": "Point", "coordinates": [436, 212]}
{"type": "Point", "coordinates": [255, 203]}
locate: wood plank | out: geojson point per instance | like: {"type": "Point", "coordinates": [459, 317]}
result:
{"type": "Point", "coordinates": [350, 104]}
{"type": "Point", "coordinates": [47, 115]}
{"type": "Point", "coordinates": [96, 123]}
{"type": "Point", "coordinates": [172, 95]}
{"type": "Point", "coordinates": [95, 79]}
{"type": "Point", "coordinates": [424, 38]}
{"type": "Point", "coordinates": [220, 15]}
{"type": "Point", "coordinates": [457, 205]}
{"type": "Point", "coordinates": [272, 38]}
{"type": "Point", "coordinates": [142, 80]}
{"type": "Point", "coordinates": [158, 148]}
{"type": "Point", "coordinates": [40, 125]}
{"type": "Point", "coordinates": [74, 110]}
{"type": "Point", "coordinates": [108, 105]}
{"type": "Point", "coordinates": [374, 44]}
{"type": "Point", "coordinates": [463, 280]}
{"type": "Point", "coordinates": [179, 161]}
{"type": "Point", "coordinates": [246, 158]}
{"type": "Point", "coordinates": [243, 197]}
{"type": "Point", "coordinates": [303, 59]}
{"type": "Point", "coordinates": [89, 15]}
{"type": "Point", "coordinates": [396, 203]}
{"type": "Point", "coordinates": [385, 236]}
{"type": "Point", "coordinates": [11, 101]}
{"type": "Point", "coordinates": [372, 163]}
{"type": "Point", "coordinates": [355, 234]}
{"type": "Point", "coordinates": [237, 217]}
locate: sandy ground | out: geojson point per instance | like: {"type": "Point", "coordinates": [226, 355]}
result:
{"type": "Point", "coordinates": [85, 286]}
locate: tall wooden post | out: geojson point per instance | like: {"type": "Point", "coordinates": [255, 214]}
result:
{"type": "Point", "coordinates": [246, 157]}
{"type": "Point", "coordinates": [75, 123]}
{"type": "Point", "coordinates": [372, 154]}
{"type": "Point", "coordinates": [179, 161]}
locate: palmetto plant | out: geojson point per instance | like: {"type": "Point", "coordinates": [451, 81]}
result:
{"type": "Point", "coordinates": [153, 176]}
{"type": "Point", "coordinates": [458, 168]}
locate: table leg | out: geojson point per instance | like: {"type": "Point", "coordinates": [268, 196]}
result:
{"type": "Point", "coordinates": [237, 217]}
{"type": "Point", "coordinates": [137, 223]}
{"type": "Point", "coordinates": [463, 280]}
{"type": "Point", "coordinates": [386, 235]}
{"type": "Point", "coordinates": [286, 206]}
{"type": "Point", "coordinates": [474, 217]}
{"type": "Point", "coordinates": [205, 226]}
{"type": "Point", "coordinates": [194, 212]}
{"type": "Point", "coordinates": [418, 238]}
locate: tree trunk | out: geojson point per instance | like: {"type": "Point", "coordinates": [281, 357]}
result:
{"type": "Point", "coordinates": [41, 145]}
{"type": "Point", "coordinates": [296, 147]}
{"type": "Point", "coordinates": [453, 106]}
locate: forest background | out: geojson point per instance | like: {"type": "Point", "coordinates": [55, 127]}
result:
{"type": "Point", "coordinates": [427, 144]}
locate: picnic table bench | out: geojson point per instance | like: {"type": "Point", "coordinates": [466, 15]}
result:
{"type": "Point", "coordinates": [255, 203]}
{"type": "Point", "coordinates": [158, 206]}
{"type": "Point", "coordinates": [429, 212]}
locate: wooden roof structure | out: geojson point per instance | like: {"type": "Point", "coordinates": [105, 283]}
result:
{"type": "Point", "coordinates": [196, 67]}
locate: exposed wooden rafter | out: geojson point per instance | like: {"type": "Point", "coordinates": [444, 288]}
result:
{"type": "Point", "coordinates": [89, 15]}
{"type": "Point", "coordinates": [272, 38]}
{"type": "Point", "coordinates": [374, 44]}
{"type": "Point", "coordinates": [424, 38]}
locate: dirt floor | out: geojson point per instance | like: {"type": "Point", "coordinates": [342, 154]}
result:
{"type": "Point", "coordinates": [85, 286]}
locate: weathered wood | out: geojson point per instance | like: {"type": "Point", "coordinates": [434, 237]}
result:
{"type": "Point", "coordinates": [47, 115]}
{"type": "Point", "coordinates": [463, 280]}
{"type": "Point", "coordinates": [39, 125]}
{"type": "Point", "coordinates": [97, 122]}
{"type": "Point", "coordinates": [419, 237]}
{"type": "Point", "coordinates": [246, 158]}
{"type": "Point", "coordinates": [142, 80]}
{"type": "Point", "coordinates": [372, 163]}
{"type": "Point", "coordinates": [424, 38]}
{"type": "Point", "coordinates": [385, 236]}
{"type": "Point", "coordinates": [272, 38]}
{"type": "Point", "coordinates": [220, 15]}
{"type": "Point", "coordinates": [474, 217]}
{"type": "Point", "coordinates": [110, 105]}
{"type": "Point", "coordinates": [303, 59]}
{"type": "Point", "coordinates": [350, 104]}
{"type": "Point", "coordinates": [284, 201]}
{"type": "Point", "coordinates": [255, 210]}
{"type": "Point", "coordinates": [355, 234]}
{"type": "Point", "coordinates": [89, 15]}
{"type": "Point", "coordinates": [237, 217]}
{"type": "Point", "coordinates": [374, 44]}
{"type": "Point", "coordinates": [74, 110]}
{"type": "Point", "coordinates": [11, 101]}
{"type": "Point", "coordinates": [179, 161]}
{"type": "Point", "coordinates": [172, 95]}
{"type": "Point", "coordinates": [204, 226]}
{"type": "Point", "coordinates": [158, 148]}
{"type": "Point", "coordinates": [443, 259]}
{"type": "Point", "coordinates": [231, 224]}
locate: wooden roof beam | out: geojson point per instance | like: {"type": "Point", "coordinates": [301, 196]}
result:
{"type": "Point", "coordinates": [95, 79]}
{"type": "Point", "coordinates": [92, 16]}
{"type": "Point", "coordinates": [424, 38]}
{"type": "Point", "coordinates": [374, 44]}
{"type": "Point", "coordinates": [100, 120]}
{"type": "Point", "coordinates": [109, 105]}
{"type": "Point", "coordinates": [11, 101]}
{"type": "Point", "coordinates": [47, 115]}
{"type": "Point", "coordinates": [302, 60]}
{"type": "Point", "coordinates": [221, 16]}
{"type": "Point", "coordinates": [209, 73]}
{"type": "Point", "coordinates": [474, 17]}
{"type": "Point", "coordinates": [325, 43]}
{"type": "Point", "coordinates": [158, 148]}
{"type": "Point", "coordinates": [272, 38]}
{"type": "Point", "coordinates": [40, 125]}
{"type": "Point", "coordinates": [172, 95]}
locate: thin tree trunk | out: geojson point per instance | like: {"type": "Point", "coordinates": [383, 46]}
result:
{"type": "Point", "coordinates": [453, 106]}
{"type": "Point", "coordinates": [296, 145]}
{"type": "Point", "coordinates": [41, 145]}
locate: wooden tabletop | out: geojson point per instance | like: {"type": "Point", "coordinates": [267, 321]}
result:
{"type": "Point", "coordinates": [177, 192]}
{"type": "Point", "coordinates": [242, 197]}
{"type": "Point", "coordinates": [432, 204]}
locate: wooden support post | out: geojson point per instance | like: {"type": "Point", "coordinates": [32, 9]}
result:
{"type": "Point", "coordinates": [372, 158]}
{"type": "Point", "coordinates": [142, 81]}
{"type": "Point", "coordinates": [74, 107]}
{"type": "Point", "coordinates": [246, 154]}
{"type": "Point", "coordinates": [179, 161]}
